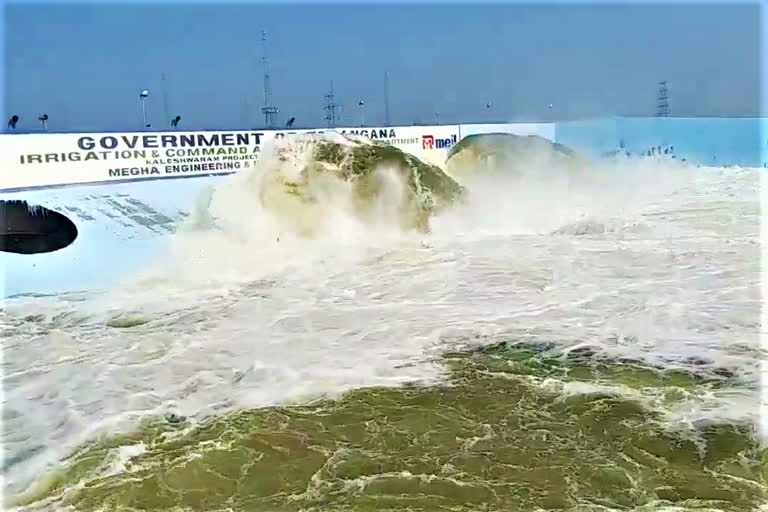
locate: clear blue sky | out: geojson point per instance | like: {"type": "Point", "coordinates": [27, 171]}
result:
{"type": "Point", "coordinates": [84, 64]}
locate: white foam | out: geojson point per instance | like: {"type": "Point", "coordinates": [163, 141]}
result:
{"type": "Point", "coordinates": [123, 455]}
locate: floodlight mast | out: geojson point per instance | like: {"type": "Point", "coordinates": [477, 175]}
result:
{"type": "Point", "coordinates": [165, 99]}
{"type": "Point", "coordinates": [142, 97]}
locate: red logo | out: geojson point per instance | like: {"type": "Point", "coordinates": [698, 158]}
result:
{"type": "Point", "coordinates": [427, 142]}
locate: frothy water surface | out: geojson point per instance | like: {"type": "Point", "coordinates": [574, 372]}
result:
{"type": "Point", "coordinates": [645, 262]}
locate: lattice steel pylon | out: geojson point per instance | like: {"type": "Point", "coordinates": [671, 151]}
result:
{"type": "Point", "coordinates": [662, 105]}
{"type": "Point", "coordinates": [331, 106]}
{"type": "Point", "coordinates": [268, 110]}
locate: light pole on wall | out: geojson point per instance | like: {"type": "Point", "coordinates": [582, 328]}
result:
{"type": "Point", "coordinates": [361, 104]}
{"type": "Point", "coordinates": [143, 97]}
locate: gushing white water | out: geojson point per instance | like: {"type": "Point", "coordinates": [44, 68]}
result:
{"type": "Point", "coordinates": [646, 261]}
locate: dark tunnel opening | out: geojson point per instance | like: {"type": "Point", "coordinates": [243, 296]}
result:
{"type": "Point", "coordinates": [33, 229]}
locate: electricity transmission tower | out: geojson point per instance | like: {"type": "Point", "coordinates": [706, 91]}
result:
{"type": "Point", "coordinates": [662, 106]}
{"type": "Point", "coordinates": [268, 110]}
{"type": "Point", "coordinates": [330, 106]}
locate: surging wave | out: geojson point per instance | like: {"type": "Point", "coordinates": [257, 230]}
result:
{"type": "Point", "coordinates": [310, 198]}
{"type": "Point", "coordinates": [296, 199]}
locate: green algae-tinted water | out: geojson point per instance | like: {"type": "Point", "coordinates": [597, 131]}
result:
{"type": "Point", "coordinates": [500, 435]}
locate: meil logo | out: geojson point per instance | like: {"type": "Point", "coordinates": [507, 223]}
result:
{"type": "Point", "coordinates": [445, 143]}
{"type": "Point", "coordinates": [430, 142]}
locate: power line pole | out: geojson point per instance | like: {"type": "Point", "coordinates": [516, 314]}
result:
{"type": "Point", "coordinates": [662, 106]}
{"type": "Point", "coordinates": [330, 106]}
{"type": "Point", "coordinates": [386, 98]}
{"type": "Point", "coordinates": [268, 110]}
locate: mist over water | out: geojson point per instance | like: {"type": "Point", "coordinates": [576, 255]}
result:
{"type": "Point", "coordinates": [641, 260]}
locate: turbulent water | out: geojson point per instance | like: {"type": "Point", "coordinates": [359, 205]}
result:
{"type": "Point", "coordinates": [646, 272]}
